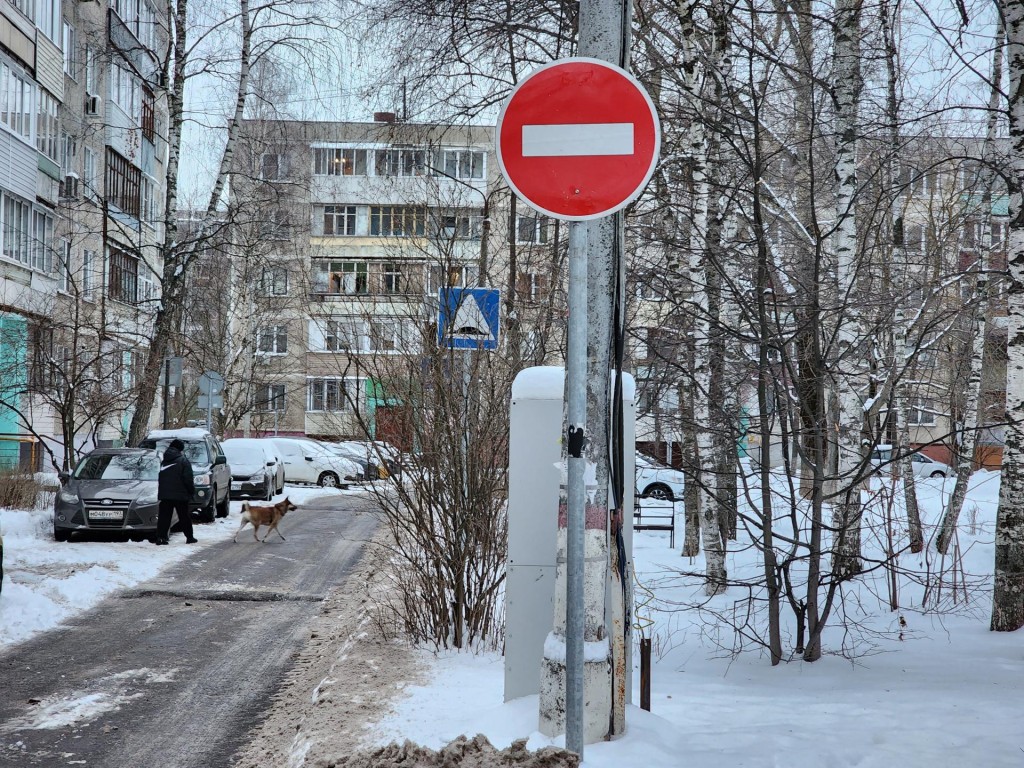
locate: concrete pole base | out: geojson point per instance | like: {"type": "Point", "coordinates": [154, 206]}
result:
{"type": "Point", "coordinates": [597, 691]}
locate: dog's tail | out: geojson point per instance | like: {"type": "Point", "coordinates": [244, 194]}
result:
{"type": "Point", "coordinates": [245, 507]}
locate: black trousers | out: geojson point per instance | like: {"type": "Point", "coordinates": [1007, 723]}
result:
{"type": "Point", "coordinates": [163, 521]}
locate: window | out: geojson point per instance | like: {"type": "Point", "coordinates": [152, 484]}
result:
{"type": "Point", "coordinates": [68, 152]}
{"type": "Point", "coordinates": [17, 98]}
{"type": "Point", "coordinates": [123, 184]}
{"type": "Point", "coordinates": [449, 276]}
{"type": "Point", "coordinates": [392, 278]}
{"type": "Point", "coordinates": [40, 362]}
{"type": "Point", "coordinates": [922, 412]}
{"type": "Point", "coordinates": [531, 285]}
{"type": "Point", "coordinates": [269, 397]}
{"type": "Point", "coordinates": [531, 229]}
{"type": "Point", "coordinates": [397, 221]}
{"type": "Point", "coordinates": [459, 226]}
{"type": "Point", "coordinates": [126, 91]}
{"type": "Point", "coordinates": [400, 162]}
{"type": "Point", "coordinates": [124, 277]}
{"type": "Point", "coordinates": [47, 18]}
{"type": "Point", "coordinates": [339, 162]}
{"type": "Point", "coordinates": [274, 281]}
{"type": "Point", "coordinates": [272, 166]}
{"type": "Point", "coordinates": [276, 226]}
{"type": "Point", "coordinates": [148, 293]}
{"type": "Point", "coordinates": [70, 44]}
{"type": "Point", "coordinates": [148, 120]}
{"type": "Point", "coordinates": [47, 127]}
{"type": "Point", "coordinates": [330, 394]}
{"type": "Point", "coordinates": [128, 11]}
{"type": "Point", "coordinates": [92, 73]}
{"type": "Point", "coordinates": [385, 335]}
{"type": "Point", "coordinates": [348, 277]}
{"type": "Point", "coordinates": [149, 201]}
{"type": "Point", "coordinates": [460, 163]}
{"type": "Point", "coordinates": [64, 265]}
{"type": "Point", "coordinates": [88, 265]}
{"type": "Point", "coordinates": [17, 229]}
{"type": "Point", "coordinates": [339, 220]}
{"type": "Point", "coordinates": [147, 25]}
{"type": "Point", "coordinates": [334, 337]}
{"type": "Point", "coordinates": [272, 340]}
{"type": "Point", "coordinates": [89, 172]}
{"type": "Point", "coordinates": [42, 241]}
{"type": "Point", "coordinates": [339, 335]}
{"type": "Point", "coordinates": [919, 183]}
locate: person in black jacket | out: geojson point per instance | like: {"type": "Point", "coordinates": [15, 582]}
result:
{"type": "Point", "coordinates": [174, 491]}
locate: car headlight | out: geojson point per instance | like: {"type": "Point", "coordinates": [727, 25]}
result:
{"type": "Point", "coordinates": [203, 479]}
{"type": "Point", "coordinates": [68, 497]}
{"type": "Point", "coordinates": [146, 499]}
{"type": "Point", "coordinates": [258, 477]}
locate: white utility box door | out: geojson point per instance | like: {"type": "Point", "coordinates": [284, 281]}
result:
{"type": "Point", "coordinates": [535, 450]}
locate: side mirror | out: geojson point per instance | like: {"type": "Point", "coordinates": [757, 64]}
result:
{"type": "Point", "coordinates": [63, 477]}
{"type": "Point", "coordinates": [220, 459]}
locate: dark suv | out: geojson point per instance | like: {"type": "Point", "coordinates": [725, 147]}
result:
{"type": "Point", "coordinates": [209, 467]}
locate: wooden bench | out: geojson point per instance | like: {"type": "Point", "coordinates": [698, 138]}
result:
{"type": "Point", "coordinates": [655, 519]}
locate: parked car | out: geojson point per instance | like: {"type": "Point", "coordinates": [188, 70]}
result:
{"type": "Point", "coordinates": [210, 468]}
{"type": "Point", "coordinates": [110, 489]}
{"type": "Point", "coordinates": [361, 455]}
{"type": "Point", "coordinates": [306, 461]}
{"type": "Point", "coordinates": [655, 480]}
{"type": "Point", "coordinates": [386, 456]}
{"type": "Point", "coordinates": [924, 466]}
{"type": "Point", "coordinates": [257, 468]}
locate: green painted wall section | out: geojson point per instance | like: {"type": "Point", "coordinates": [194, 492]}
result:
{"type": "Point", "coordinates": [13, 378]}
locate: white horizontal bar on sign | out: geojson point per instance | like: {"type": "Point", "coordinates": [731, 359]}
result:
{"type": "Point", "coordinates": [578, 139]}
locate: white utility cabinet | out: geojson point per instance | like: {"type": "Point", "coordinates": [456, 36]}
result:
{"type": "Point", "coordinates": [535, 451]}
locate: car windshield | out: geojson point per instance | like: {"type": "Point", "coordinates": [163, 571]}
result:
{"type": "Point", "coordinates": [243, 454]}
{"type": "Point", "coordinates": [195, 451]}
{"type": "Point", "coordinates": [135, 466]}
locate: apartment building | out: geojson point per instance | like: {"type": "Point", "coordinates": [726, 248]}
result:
{"type": "Point", "coordinates": [81, 129]}
{"type": "Point", "coordinates": [344, 233]}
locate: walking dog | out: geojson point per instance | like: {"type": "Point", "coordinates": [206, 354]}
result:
{"type": "Point", "coordinates": [269, 515]}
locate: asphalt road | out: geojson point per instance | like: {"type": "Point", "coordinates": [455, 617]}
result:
{"type": "Point", "coordinates": [173, 673]}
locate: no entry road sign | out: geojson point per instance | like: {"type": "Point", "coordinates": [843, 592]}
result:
{"type": "Point", "coordinates": [578, 139]}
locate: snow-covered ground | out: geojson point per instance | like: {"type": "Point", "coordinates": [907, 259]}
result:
{"type": "Point", "coordinates": [937, 690]}
{"type": "Point", "coordinates": [45, 582]}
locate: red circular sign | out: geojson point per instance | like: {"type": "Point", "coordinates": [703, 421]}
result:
{"type": "Point", "coordinates": [578, 139]}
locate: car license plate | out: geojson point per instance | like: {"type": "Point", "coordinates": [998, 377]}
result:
{"type": "Point", "coordinates": [236, 486]}
{"type": "Point", "coordinates": [105, 514]}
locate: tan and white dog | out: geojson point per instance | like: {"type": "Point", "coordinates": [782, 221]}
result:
{"type": "Point", "coordinates": [269, 515]}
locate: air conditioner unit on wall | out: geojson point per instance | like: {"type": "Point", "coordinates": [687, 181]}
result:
{"type": "Point", "coordinates": [69, 187]}
{"type": "Point", "coordinates": [92, 104]}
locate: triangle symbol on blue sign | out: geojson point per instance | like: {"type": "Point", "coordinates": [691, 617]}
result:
{"type": "Point", "coordinates": [470, 322]}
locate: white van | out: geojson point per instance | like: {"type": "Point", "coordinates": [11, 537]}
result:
{"type": "Point", "coordinates": [308, 462]}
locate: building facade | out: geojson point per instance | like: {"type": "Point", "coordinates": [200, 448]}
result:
{"type": "Point", "coordinates": [82, 127]}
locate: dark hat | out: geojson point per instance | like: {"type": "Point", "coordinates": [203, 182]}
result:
{"type": "Point", "coordinates": [177, 443]}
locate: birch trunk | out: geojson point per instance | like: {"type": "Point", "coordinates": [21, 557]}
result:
{"type": "Point", "coordinates": [696, 152]}
{"type": "Point", "coordinates": [847, 510]}
{"type": "Point", "coordinates": [979, 312]}
{"type": "Point", "coordinates": [178, 259]}
{"type": "Point", "coordinates": [1008, 582]}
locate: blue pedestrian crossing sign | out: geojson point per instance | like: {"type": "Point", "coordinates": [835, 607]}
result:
{"type": "Point", "coordinates": [468, 318]}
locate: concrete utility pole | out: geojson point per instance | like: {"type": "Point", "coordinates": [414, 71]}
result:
{"type": "Point", "coordinates": [593, 667]}
{"type": "Point", "coordinates": [604, 33]}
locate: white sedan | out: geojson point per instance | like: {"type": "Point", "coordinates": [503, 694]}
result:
{"type": "Point", "coordinates": [655, 480]}
{"type": "Point", "coordinates": [924, 466]}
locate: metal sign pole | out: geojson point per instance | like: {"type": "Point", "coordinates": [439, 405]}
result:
{"type": "Point", "coordinates": [576, 427]}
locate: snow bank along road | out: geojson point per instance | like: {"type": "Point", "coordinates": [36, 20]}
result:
{"type": "Point", "coordinates": [176, 671]}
